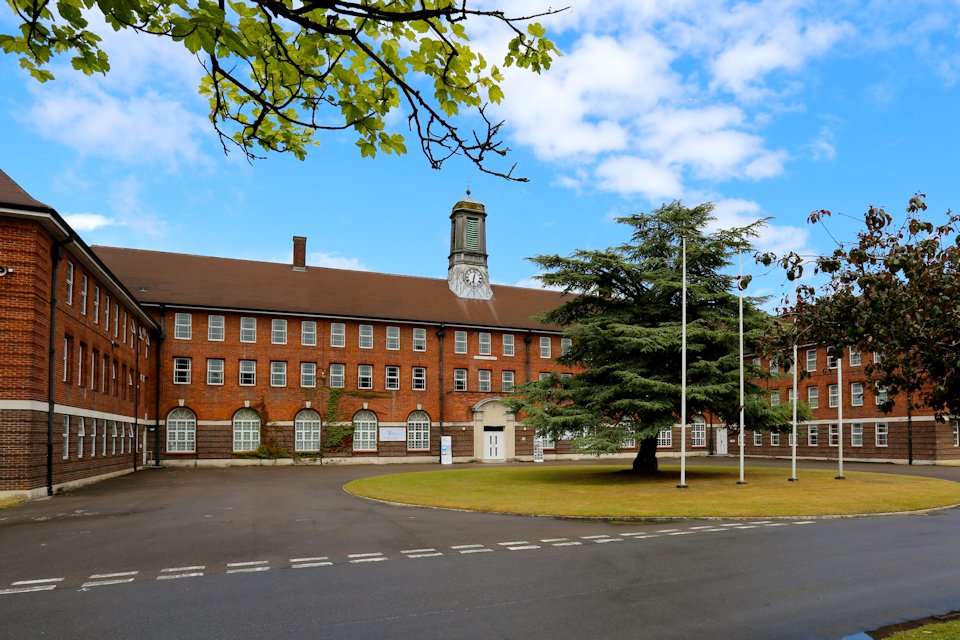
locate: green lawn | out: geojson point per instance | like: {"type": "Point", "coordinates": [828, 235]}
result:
{"type": "Point", "coordinates": [610, 491]}
{"type": "Point", "coordinates": [936, 631]}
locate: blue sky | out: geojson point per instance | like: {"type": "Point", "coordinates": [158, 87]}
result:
{"type": "Point", "coordinates": [764, 108]}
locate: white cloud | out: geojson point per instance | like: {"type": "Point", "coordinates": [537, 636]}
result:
{"type": "Point", "coordinates": [131, 211]}
{"type": "Point", "coordinates": [780, 239]}
{"type": "Point", "coordinates": [823, 146]}
{"type": "Point", "coordinates": [533, 283]}
{"type": "Point", "coordinates": [88, 221]}
{"type": "Point", "coordinates": [334, 261]}
{"type": "Point", "coordinates": [639, 176]}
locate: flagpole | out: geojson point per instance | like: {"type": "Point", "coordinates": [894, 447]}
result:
{"type": "Point", "coordinates": [743, 430]}
{"type": "Point", "coordinates": [793, 452]}
{"type": "Point", "coordinates": [840, 413]}
{"type": "Point", "coordinates": [683, 370]}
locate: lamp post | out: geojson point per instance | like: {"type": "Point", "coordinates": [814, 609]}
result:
{"type": "Point", "coordinates": [840, 475]}
{"type": "Point", "coordinates": [683, 369]}
{"type": "Point", "coordinates": [743, 432]}
{"type": "Point", "coordinates": [793, 444]}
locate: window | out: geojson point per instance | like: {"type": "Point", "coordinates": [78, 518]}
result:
{"type": "Point", "coordinates": [93, 437]}
{"type": "Point", "coordinates": [248, 329]}
{"type": "Point", "coordinates": [813, 397]}
{"type": "Point", "coordinates": [565, 345]}
{"type": "Point", "coordinates": [308, 374]}
{"type": "Point", "coordinates": [698, 432]}
{"type": "Point", "coordinates": [67, 352]}
{"type": "Point", "coordinates": [774, 366]}
{"type": "Point", "coordinates": [215, 371]}
{"type": "Point", "coordinates": [365, 431]}
{"type": "Point", "coordinates": [81, 356]}
{"type": "Point", "coordinates": [757, 364]}
{"type": "Point", "coordinates": [113, 376]}
{"type": "Point", "coordinates": [483, 380]}
{"type": "Point", "coordinates": [665, 438]}
{"type": "Point", "coordinates": [215, 325]}
{"type": "Point", "coordinates": [548, 441]}
{"type": "Point", "coordinates": [629, 440]}
{"type": "Point", "coordinates": [306, 428]}
{"type": "Point", "coordinates": [956, 433]}
{"type": "Point", "coordinates": [106, 313]}
{"type": "Point", "coordinates": [337, 375]}
{"type": "Point", "coordinates": [419, 378]}
{"type": "Point", "coordinates": [774, 439]}
{"type": "Point", "coordinates": [876, 356]}
{"type": "Point", "coordinates": [811, 359]}
{"type": "Point", "coordinates": [831, 361]}
{"type": "Point", "coordinates": [856, 394]}
{"type": "Point", "coordinates": [883, 433]}
{"type": "Point", "coordinates": [791, 440]}
{"type": "Point", "coordinates": [181, 431]}
{"type": "Point", "coordinates": [308, 333]}
{"type": "Point", "coordinates": [813, 435]}
{"type": "Point", "coordinates": [393, 338]}
{"type": "Point", "coordinates": [123, 443]}
{"type": "Point", "coordinates": [66, 437]}
{"type": "Point", "coordinates": [418, 431]}
{"type": "Point", "coordinates": [365, 376]}
{"type": "Point", "coordinates": [113, 437]}
{"type": "Point", "coordinates": [130, 437]}
{"type": "Point", "coordinates": [508, 344]}
{"type": "Point", "coordinates": [790, 395]}
{"type": "Point", "coordinates": [459, 379]}
{"type": "Point", "coordinates": [248, 373]}
{"type": "Point", "coordinates": [544, 346]}
{"type": "Point", "coordinates": [366, 336]}
{"type": "Point", "coordinates": [183, 326]}
{"type": "Point", "coordinates": [419, 339]}
{"type": "Point", "coordinates": [83, 295]}
{"type": "Point", "coordinates": [116, 320]}
{"type": "Point", "coordinates": [460, 342]}
{"type": "Point", "coordinates": [854, 357]}
{"type": "Point", "coordinates": [69, 283]}
{"type": "Point", "coordinates": [856, 434]}
{"type": "Point", "coordinates": [543, 375]}
{"type": "Point", "coordinates": [278, 374]}
{"type": "Point", "coordinates": [246, 430]}
{"type": "Point", "coordinates": [392, 382]}
{"type": "Point", "coordinates": [880, 394]}
{"type": "Point", "coordinates": [833, 398]}
{"type": "Point", "coordinates": [774, 398]}
{"type": "Point", "coordinates": [506, 381]}
{"type": "Point", "coordinates": [103, 439]}
{"type": "Point", "coordinates": [181, 371]}
{"type": "Point", "coordinates": [834, 435]}
{"type": "Point", "coordinates": [96, 304]}
{"type": "Point", "coordinates": [278, 331]}
{"type": "Point", "coordinates": [338, 334]}
{"type": "Point", "coordinates": [486, 347]}
{"type": "Point", "coordinates": [758, 438]}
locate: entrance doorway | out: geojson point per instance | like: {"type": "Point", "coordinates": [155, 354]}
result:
{"type": "Point", "coordinates": [721, 440]}
{"type": "Point", "coordinates": [493, 443]}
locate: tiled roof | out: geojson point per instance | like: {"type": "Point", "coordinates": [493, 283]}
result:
{"type": "Point", "coordinates": [12, 195]}
{"type": "Point", "coordinates": [186, 280]}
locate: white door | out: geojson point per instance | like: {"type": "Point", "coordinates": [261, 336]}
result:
{"type": "Point", "coordinates": [493, 445]}
{"type": "Point", "coordinates": [721, 439]}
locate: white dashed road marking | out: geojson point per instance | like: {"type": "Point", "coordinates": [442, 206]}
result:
{"type": "Point", "coordinates": [248, 567]}
{"type": "Point", "coordinates": [20, 583]}
{"type": "Point", "coordinates": [524, 547]}
{"type": "Point", "coordinates": [682, 533]}
{"type": "Point", "coordinates": [366, 557]}
{"type": "Point", "coordinates": [567, 544]}
{"type": "Point", "coordinates": [36, 587]}
{"type": "Point", "coordinates": [748, 526]}
{"type": "Point", "coordinates": [805, 522]}
{"type": "Point", "coordinates": [594, 537]}
{"type": "Point", "coordinates": [309, 563]}
{"type": "Point", "coordinates": [554, 539]}
{"type": "Point", "coordinates": [513, 544]}
{"type": "Point", "coordinates": [482, 550]}
{"type": "Point", "coordinates": [104, 579]}
{"type": "Point", "coordinates": [708, 526]}
{"type": "Point", "coordinates": [421, 553]}
{"type": "Point", "coordinates": [466, 546]}
{"type": "Point", "coordinates": [667, 530]}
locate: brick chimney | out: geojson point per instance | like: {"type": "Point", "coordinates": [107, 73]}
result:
{"type": "Point", "coordinates": [299, 253]}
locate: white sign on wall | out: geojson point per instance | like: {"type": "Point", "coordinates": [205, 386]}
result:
{"type": "Point", "coordinates": [446, 449]}
{"type": "Point", "coordinates": [393, 434]}
{"type": "Point", "coordinates": [538, 449]}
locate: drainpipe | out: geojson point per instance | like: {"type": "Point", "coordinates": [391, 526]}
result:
{"type": "Point", "coordinates": [156, 381]}
{"type": "Point", "coordinates": [527, 339]}
{"type": "Point", "coordinates": [56, 255]}
{"type": "Point", "coordinates": [136, 397]}
{"type": "Point", "coordinates": [440, 334]}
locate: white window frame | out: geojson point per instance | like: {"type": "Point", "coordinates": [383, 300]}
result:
{"type": "Point", "coordinates": [393, 339]}
{"type": "Point", "coordinates": [278, 331]}
{"type": "Point", "coordinates": [833, 396]}
{"type": "Point", "coordinates": [882, 433]}
{"type": "Point", "coordinates": [774, 439]}
{"type": "Point", "coordinates": [113, 437]}
{"type": "Point", "coordinates": [855, 357]}
{"type": "Point", "coordinates": [81, 437]}
{"type": "Point", "coordinates": [106, 313]}
{"type": "Point", "coordinates": [93, 437]}
{"type": "Point", "coordinates": [813, 397]}
{"type": "Point", "coordinates": [182, 370]}
{"type": "Point", "coordinates": [832, 361]}
{"type": "Point", "coordinates": [419, 339]}
{"type": "Point", "coordinates": [459, 341]}
{"type": "Point", "coordinates": [484, 343]}
{"type": "Point", "coordinates": [248, 329]}
{"type": "Point", "coordinates": [308, 375]}
{"type": "Point", "coordinates": [509, 344]}
{"type": "Point", "coordinates": [813, 435]}
{"type": "Point", "coordinates": [459, 379]}
{"type": "Point", "coordinates": [278, 373]}
{"type": "Point", "coordinates": [216, 372]}
{"type": "Point", "coordinates": [181, 431]}
{"type": "Point", "coordinates": [364, 376]}
{"type": "Point", "coordinates": [546, 347]}
{"type": "Point", "coordinates": [833, 439]}
{"type": "Point", "coordinates": [483, 380]}
{"type": "Point", "coordinates": [811, 359]}
{"type": "Point", "coordinates": [956, 432]}
{"type": "Point", "coordinates": [880, 394]}
{"type": "Point", "coordinates": [365, 336]}
{"type": "Point", "coordinates": [338, 334]}
{"type": "Point", "coordinates": [758, 438]}
{"type": "Point", "coordinates": [507, 381]}
{"type": "Point", "coordinates": [84, 283]}
{"type": "Point", "coordinates": [216, 328]}
{"type": "Point", "coordinates": [419, 378]}
{"type": "Point", "coordinates": [248, 369]}
{"type": "Point", "coordinates": [337, 375]}
{"type": "Point", "coordinates": [698, 432]}
{"type": "Point", "coordinates": [69, 283]}
{"type": "Point", "coordinates": [306, 430]}
{"type": "Point", "coordinates": [365, 431]}
{"type": "Point", "coordinates": [391, 381]}
{"type": "Point", "coordinates": [96, 304]}
{"type": "Point", "coordinates": [182, 325]}
{"type": "Point", "coordinates": [418, 431]}
{"type": "Point", "coordinates": [774, 398]}
{"type": "Point", "coordinates": [66, 437]}
{"type": "Point", "coordinates": [856, 394]}
{"type": "Point", "coordinates": [103, 439]}
{"type": "Point", "coordinates": [565, 345]}
{"type": "Point", "coordinates": [665, 438]}
{"type": "Point", "coordinates": [774, 366]}
{"type": "Point", "coordinates": [308, 333]}
{"type": "Point", "coordinates": [246, 430]}
{"type": "Point", "coordinates": [856, 434]}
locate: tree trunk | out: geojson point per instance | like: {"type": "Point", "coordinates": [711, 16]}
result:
{"type": "Point", "coordinates": [646, 460]}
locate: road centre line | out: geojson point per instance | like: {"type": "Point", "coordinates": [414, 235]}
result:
{"type": "Point", "coordinates": [601, 541]}
{"type": "Point", "coordinates": [418, 550]}
{"type": "Point", "coordinates": [174, 576]}
{"type": "Point", "coordinates": [424, 555]}
{"type": "Point", "coordinates": [554, 539]}
{"type": "Point", "coordinates": [515, 543]}
{"type": "Point", "coordinates": [777, 524]}
{"type": "Point", "coordinates": [760, 522]}
{"type": "Point", "coordinates": [122, 574]}
{"type": "Point", "coordinates": [594, 537]}
{"type": "Point", "coordinates": [466, 546]}
{"type": "Point", "coordinates": [732, 524]}
{"type": "Point", "coordinates": [524, 547]}
{"type": "Point", "coordinates": [103, 583]}
{"type": "Point", "coordinates": [198, 567]}
{"type": "Point", "coordinates": [748, 526]}
{"type": "Point", "coordinates": [706, 526]}
{"type": "Point", "coordinates": [667, 530]}
{"type": "Point", "coordinates": [316, 559]}
{"type": "Point", "coordinates": [36, 587]}
{"type": "Point", "coordinates": [682, 533]}
{"type": "Point", "coordinates": [364, 555]}
{"type": "Point", "coordinates": [806, 522]}
{"type": "Point", "coordinates": [475, 550]}
{"type": "Point", "coordinates": [370, 559]}
{"type": "Point", "coordinates": [567, 544]}
{"type": "Point", "coordinates": [310, 565]}
{"type": "Point", "coordinates": [252, 563]}
{"type": "Point", "coordinates": [40, 581]}
{"type": "Point", "coordinates": [248, 569]}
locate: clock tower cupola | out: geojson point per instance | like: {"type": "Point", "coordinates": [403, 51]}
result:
{"type": "Point", "coordinates": [467, 273]}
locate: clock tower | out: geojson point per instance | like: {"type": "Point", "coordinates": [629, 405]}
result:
{"type": "Point", "coordinates": [467, 274]}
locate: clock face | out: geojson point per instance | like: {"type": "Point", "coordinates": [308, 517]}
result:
{"type": "Point", "coordinates": [473, 277]}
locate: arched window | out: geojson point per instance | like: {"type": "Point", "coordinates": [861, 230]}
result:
{"type": "Point", "coordinates": [307, 431]}
{"type": "Point", "coordinates": [246, 430]}
{"type": "Point", "coordinates": [365, 431]}
{"type": "Point", "coordinates": [418, 431]}
{"type": "Point", "coordinates": [181, 431]}
{"type": "Point", "coordinates": [698, 432]}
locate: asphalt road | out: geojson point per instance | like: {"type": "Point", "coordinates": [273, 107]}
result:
{"type": "Point", "coordinates": [285, 553]}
